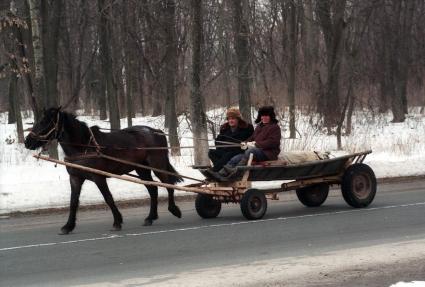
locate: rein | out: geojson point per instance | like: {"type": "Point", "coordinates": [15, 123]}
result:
{"type": "Point", "coordinates": [98, 154]}
{"type": "Point", "coordinates": [97, 146]}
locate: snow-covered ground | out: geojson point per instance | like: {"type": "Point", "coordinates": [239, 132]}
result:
{"type": "Point", "coordinates": [409, 284]}
{"type": "Point", "coordinates": [27, 184]}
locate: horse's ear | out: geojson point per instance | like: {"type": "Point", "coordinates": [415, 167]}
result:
{"type": "Point", "coordinates": [59, 108]}
{"type": "Point", "coordinates": [44, 110]}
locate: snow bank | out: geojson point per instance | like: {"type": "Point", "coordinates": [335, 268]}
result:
{"type": "Point", "coordinates": [409, 284]}
{"type": "Point", "coordinates": [28, 184]}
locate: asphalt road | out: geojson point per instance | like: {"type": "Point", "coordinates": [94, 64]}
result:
{"type": "Point", "coordinates": [33, 254]}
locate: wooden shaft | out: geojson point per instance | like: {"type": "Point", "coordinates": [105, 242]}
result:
{"type": "Point", "coordinates": [147, 167]}
{"type": "Point", "coordinates": [108, 174]}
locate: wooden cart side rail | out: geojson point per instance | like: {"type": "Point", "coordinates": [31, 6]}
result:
{"type": "Point", "coordinates": [126, 178]}
{"type": "Point", "coordinates": [306, 182]}
{"type": "Point", "coordinates": [353, 156]}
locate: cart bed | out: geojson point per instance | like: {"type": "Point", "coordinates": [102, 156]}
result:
{"type": "Point", "coordinates": [268, 171]}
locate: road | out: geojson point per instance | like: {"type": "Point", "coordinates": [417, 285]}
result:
{"type": "Point", "coordinates": [292, 246]}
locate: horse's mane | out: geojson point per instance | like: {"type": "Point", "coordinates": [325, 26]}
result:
{"type": "Point", "coordinates": [71, 120]}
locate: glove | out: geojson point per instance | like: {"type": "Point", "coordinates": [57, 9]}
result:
{"type": "Point", "coordinates": [250, 144]}
{"type": "Point", "coordinates": [244, 145]}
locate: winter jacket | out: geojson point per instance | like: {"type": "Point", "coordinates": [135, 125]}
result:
{"type": "Point", "coordinates": [267, 138]}
{"type": "Point", "coordinates": [242, 132]}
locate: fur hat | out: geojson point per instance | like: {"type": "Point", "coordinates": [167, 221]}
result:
{"type": "Point", "coordinates": [234, 113]}
{"type": "Point", "coordinates": [266, 111]}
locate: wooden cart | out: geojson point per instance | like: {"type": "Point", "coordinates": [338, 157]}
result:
{"type": "Point", "coordinates": [311, 180]}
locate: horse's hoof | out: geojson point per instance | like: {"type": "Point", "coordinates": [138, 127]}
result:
{"type": "Point", "coordinates": [148, 222]}
{"type": "Point", "coordinates": [64, 231]}
{"type": "Point", "coordinates": [116, 227]}
{"type": "Point", "coordinates": [175, 210]}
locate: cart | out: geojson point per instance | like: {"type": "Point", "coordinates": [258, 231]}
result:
{"type": "Point", "coordinates": [310, 180]}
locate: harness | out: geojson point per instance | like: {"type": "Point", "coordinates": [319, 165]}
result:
{"type": "Point", "coordinates": [55, 129]}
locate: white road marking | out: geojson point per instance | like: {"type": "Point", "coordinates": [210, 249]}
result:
{"type": "Point", "coordinates": [114, 236]}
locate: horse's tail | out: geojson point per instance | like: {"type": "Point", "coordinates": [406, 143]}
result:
{"type": "Point", "coordinates": [175, 177]}
{"type": "Point", "coordinates": [163, 143]}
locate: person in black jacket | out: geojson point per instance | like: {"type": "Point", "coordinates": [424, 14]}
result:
{"type": "Point", "coordinates": [235, 130]}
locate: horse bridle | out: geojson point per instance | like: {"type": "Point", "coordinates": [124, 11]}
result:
{"type": "Point", "coordinates": [47, 135]}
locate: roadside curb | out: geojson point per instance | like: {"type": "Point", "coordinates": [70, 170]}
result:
{"type": "Point", "coordinates": [133, 203]}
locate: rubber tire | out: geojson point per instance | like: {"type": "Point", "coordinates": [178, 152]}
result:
{"type": "Point", "coordinates": [250, 197]}
{"type": "Point", "coordinates": [206, 206]}
{"type": "Point", "coordinates": [348, 189]}
{"type": "Point", "coordinates": [313, 195]}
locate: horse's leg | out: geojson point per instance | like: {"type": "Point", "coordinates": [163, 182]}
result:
{"type": "Point", "coordinates": [104, 189]}
{"type": "Point", "coordinates": [172, 207]}
{"type": "Point", "coordinates": [76, 183]}
{"type": "Point", "coordinates": [145, 174]}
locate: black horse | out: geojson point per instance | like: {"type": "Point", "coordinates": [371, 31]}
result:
{"type": "Point", "coordinates": [81, 143]}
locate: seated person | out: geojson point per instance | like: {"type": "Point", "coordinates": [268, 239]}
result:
{"type": "Point", "coordinates": [264, 144]}
{"type": "Point", "coordinates": [235, 130]}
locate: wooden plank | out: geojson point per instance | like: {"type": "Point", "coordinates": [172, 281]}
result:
{"type": "Point", "coordinates": [246, 174]}
{"type": "Point", "coordinates": [302, 183]}
{"type": "Point", "coordinates": [126, 178]}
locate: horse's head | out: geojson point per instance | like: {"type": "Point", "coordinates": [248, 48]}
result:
{"type": "Point", "coordinates": [45, 130]}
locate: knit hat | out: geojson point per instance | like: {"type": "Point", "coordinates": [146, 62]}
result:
{"type": "Point", "coordinates": [266, 111]}
{"type": "Point", "coordinates": [233, 113]}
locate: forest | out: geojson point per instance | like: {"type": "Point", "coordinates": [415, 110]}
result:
{"type": "Point", "coordinates": [121, 58]}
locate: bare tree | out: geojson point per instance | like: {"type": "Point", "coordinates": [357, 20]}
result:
{"type": "Point", "coordinates": [170, 74]}
{"type": "Point", "coordinates": [105, 33]}
{"type": "Point", "coordinates": [293, 39]}
{"type": "Point", "coordinates": [39, 94]}
{"type": "Point", "coordinates": [331, 16]}
{"type": "Point", "coordinates": [241, 40]}
{"type": "Point", "coordinates": [197, 112]}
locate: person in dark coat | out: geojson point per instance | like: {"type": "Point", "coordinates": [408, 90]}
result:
{"type": "Point", "coordinates": [235, 130]}
{"type": "Point", "coordinates": [264, 144]}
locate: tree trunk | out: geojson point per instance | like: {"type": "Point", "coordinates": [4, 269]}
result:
{"type": "Point", "coordinates": [105, 55]}
{"type": "Point", "coordinates": [129, 82]}
{"type": "Point", "coordinates": [14, 93]}
{"type": "Point", "coordinates": [197, 113]}
{"type": "Point", "coordinates": [18, 116]}
{"type": "Point", "coordinates": [332, 24]}
{"type": "Point", "coordinates": [224, 43]}
{"type": "Point", "coordinates": [103, 115]}
{"type": "Point", "coordinates": [170, 74]}
{"type": "Point", "coordinates": [38, 87]}
{"type": "Point", "coordinates": [51, 15]}
{"type": "Point", "coordinates": [293, 32]}
{"type": "Point", "coordinates": [11, 118]}
{"type": "Point", "coordinates": [241, 30]}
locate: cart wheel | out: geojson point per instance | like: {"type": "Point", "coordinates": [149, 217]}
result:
{"type": "Point", "coordinates": [358, 185]}
{"type": "Point", "coordinates": [253, 204]}
{"type": "Point", "coordinates": [206, 206]}
{"type": "Point", "coordinates": [314, 195]}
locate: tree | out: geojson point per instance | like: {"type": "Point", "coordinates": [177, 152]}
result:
{"type": "Point", "coordinates": [38, 74]}
{"type": "Point", "coordinates": [197, 112]}
{"type": "Point", "coordinates": [105, 33]}
{"type": "Point", "coordinates": [170, 74]}
{"type": "Point", "coordinates": [241, 40]}
{"type": "Point", "coordinates": [293, 39]}
{"type": "Point", "coordinates": [50, 26]}
{"type": "Point", "coordinates": [331, 18]}
{"type": "Point", "coordinates": [17, 63]}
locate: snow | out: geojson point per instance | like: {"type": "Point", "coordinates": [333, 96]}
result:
{"type": "Point", "coordinates": [28, 184]}
{"type": "Point", "coordinates": [409, 284]}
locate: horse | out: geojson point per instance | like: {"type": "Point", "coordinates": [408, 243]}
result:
{"type": "Point", "coordinates": [81, 145]}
